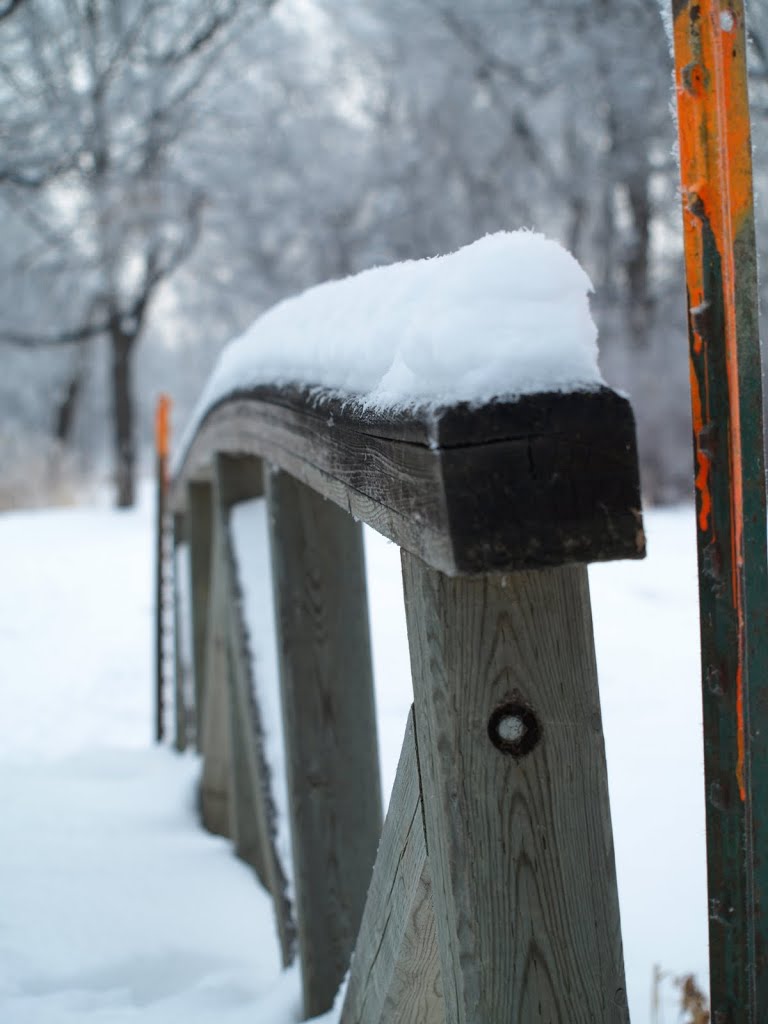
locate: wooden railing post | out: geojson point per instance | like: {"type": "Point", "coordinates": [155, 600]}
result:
{"type": "Point", "coordinates": [238, 478]}
{"type": "Point", "coordinates": [216, 782]}
{"type": "Point", "coordinates": [199, 529]}
{"type": "Point", "coordinates": [253, 814]}
{"type": "Point", "coordinates": [160, 580]}
{"type": "Point", "coordinates": [515, 796]}
{"type": "Point", "coordinates": [181, 712]}
{"type": "Point", "coordinates": [503, 904]}
{"type": "Point", "coordinates": [329, 725]}
{"type": "Point", "coordinates": [396, 971]}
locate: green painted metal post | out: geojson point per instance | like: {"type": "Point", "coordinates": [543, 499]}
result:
{"type": "Point", "coordinates": [716, 174]}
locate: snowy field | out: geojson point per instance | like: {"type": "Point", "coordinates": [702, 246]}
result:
{"type": "Point", "coordinates": [115, 907]}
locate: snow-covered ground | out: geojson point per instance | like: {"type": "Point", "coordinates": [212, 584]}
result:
{"type": "Point", "coordinates": [115, 907]}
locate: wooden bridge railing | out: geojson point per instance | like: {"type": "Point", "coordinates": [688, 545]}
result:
{"type": "Point", "coordinates": [493, 894]}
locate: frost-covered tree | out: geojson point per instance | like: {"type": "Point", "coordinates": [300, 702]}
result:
{"type": "Point", "coordinates": [95, 96]}
{"type": "Point", "coordinates": [396, 129]}
{"type": "Point", "coordinates": [260, 156]}
{"type": "Point", "coordinates": [553, 116]}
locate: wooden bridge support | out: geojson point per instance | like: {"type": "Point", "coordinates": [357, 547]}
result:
{"type": "Point", "coordinates": [253, 815]}
{"type": "Point", "coordinates": [181, 711]}
{"type": "Point", "coordinates": [330, 725]}
{"type": "Point", "coordinates": [395, 977]}
{"type": "Point", "coordinates": [515, 792]}
{"type": "Point", "coordinates": [199, 533]}
{"type": "Point", "coordinates": [216, 782]}
{"type": "Point", "coordinates": [235, 789]}
{"type": "Point", "coordinates": [493, 895]}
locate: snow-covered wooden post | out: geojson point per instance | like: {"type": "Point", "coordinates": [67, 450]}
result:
{"type": "Point", "coordinates": [517, 849]}
{"type": "Point", "coordinates": [501, 466]}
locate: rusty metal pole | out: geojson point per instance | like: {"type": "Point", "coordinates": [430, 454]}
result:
{"type": "Point", "coordinates": [162, 415]}
{"type": "Point", "coordinates": [719, 231]}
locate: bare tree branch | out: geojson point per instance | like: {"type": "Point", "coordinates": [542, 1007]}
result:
{"type": "Point", "coordinates": [36, 177]}
{"type": "Point", "coordinates": [488, 60]}
{"type": "Point", "coordinates": [7, 9]}
{"type": "Point", "coordinates": [75, 336]}
{"type": "Point", "coordinates": [204, 35]}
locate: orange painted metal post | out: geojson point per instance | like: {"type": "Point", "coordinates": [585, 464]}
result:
{"type": "Point", "coordinates": [162, 431]}
{"type": "Point", "coordinates": [716, 176]}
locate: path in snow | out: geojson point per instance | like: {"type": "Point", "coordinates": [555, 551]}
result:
{"type": "Point", "coordinates": [116, 907]}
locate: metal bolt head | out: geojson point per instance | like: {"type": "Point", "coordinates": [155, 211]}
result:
{"type": "Point", "coordinates": [514, 729]}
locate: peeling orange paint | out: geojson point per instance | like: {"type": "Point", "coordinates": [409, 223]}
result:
{"type": "Point", "coordinates": [162, 432]}
{"type": "Point", "coordinates": [703, 461]}
{"type": "Point", "coordinates": [716, 173]}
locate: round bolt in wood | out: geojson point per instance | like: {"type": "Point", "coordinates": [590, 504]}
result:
{"type": "Point", "coordinates": [514, 729]}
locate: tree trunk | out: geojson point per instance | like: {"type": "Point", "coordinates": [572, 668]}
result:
{"type": "Point", "coordinates": [67, 407]}
{"type": "Point", "coordinates": [65, 411]}
{"type": "Point", "coordinates": [121, 346]}
{"type": "Point", "coordinates": [637, 264]}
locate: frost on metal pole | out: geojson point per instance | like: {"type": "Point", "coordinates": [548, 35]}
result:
{"type": "Point", "coordinates": [716, 174]}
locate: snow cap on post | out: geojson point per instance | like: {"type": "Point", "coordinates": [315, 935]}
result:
{"type": "Point", "coordinates": [503, 317]}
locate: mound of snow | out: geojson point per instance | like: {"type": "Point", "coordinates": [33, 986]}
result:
{"type": "Point", "coordinates": [504, 316]}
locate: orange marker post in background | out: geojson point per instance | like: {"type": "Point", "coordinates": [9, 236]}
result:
{"type": "Point", "coordinates": [162, 430]}
{"type": "Point", "coordinates": [162, 448]}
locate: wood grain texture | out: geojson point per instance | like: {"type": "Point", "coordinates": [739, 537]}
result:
{"type": "Point", "coordinates": [395, 975]}
{"type": "Point", "coordinates": [216, 781]}
{"type": "Point", "coordinates": [246, 817]}
{"type": "Point", "coordinates": [254, 816]}
{"type": "Point", "coordinates": [199, 521]}
{"type": "Point", "coordinates": [416, 993]}
{"type": "Point", "coordinates": [547, 480]}
{"type": "Point", "coordinates": [520, 848]}
{"type": "Point", "coordinates": [180, 712]}
{"type": "Point", "coordinates": [237, 478]}
{"type": "Point", "coordinates": [231, 478]}
{"type": "Point", "coordinates": [329, 726]}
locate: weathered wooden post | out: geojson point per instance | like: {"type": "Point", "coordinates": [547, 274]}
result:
{"type": "Point", "coordinates": [199, 516]}
{"type": "Point", "coordinates": [216, 782]}
{"type": "Point", "coordinates": [515, 796]}
{"type": "Point", "coordinates": [238, 479]}
{"type": "Point", "coordinates": [395, 977]}
{"type": "Point", "coordinates": [181, 712]}
{"type": "Point", "coordinates": [253, 813]}
{"type": "Point", "coordinates": [517, 851]}
{"type": "Point", "coordinates": [493, 896]}
{"type": "Point", "coordinates": [329, 725]}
